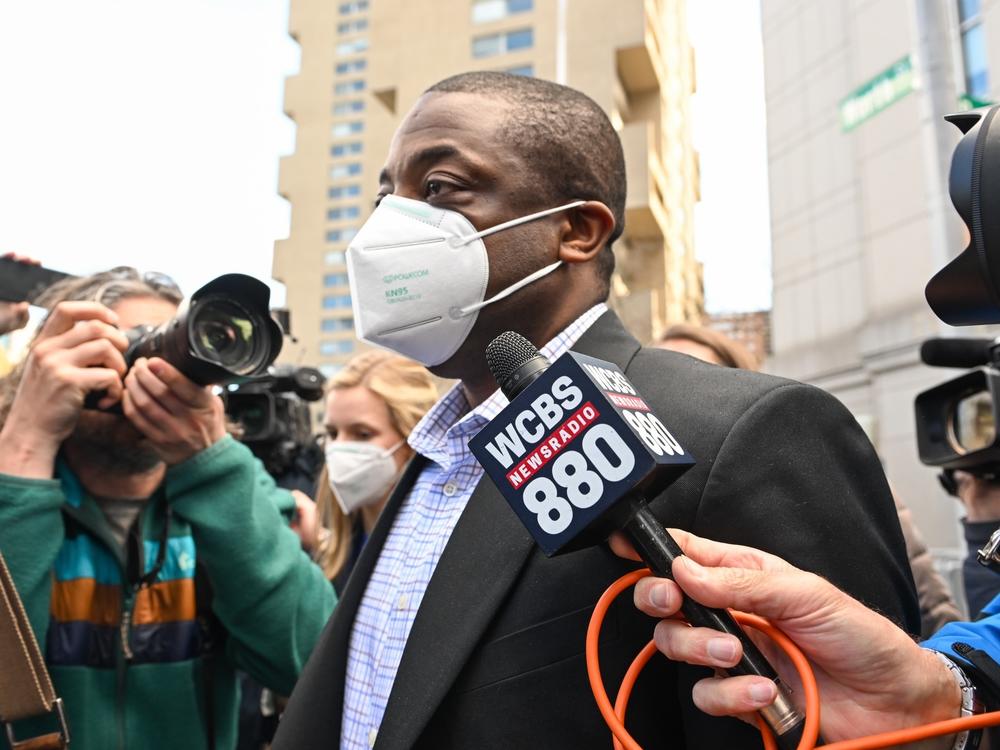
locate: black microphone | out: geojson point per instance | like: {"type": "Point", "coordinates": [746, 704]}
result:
{"type": "Point", "coordinates": [958, 352]}
{"type": "Point", "coordinates": [576, 454]}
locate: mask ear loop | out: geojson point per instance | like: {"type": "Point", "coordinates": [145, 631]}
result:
{"type": "Point", "coordinates": [461, 312]}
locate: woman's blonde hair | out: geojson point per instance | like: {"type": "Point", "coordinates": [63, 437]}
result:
{"type": "Point", "coordinates": [408, 391]}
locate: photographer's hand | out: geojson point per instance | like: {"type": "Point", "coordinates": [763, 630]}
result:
{"type": "Point", "coordinates": [179, 417]}
{"type": "Point", "coordinates": [872, 677]}
{"type": "Point", "coordinates": [77, 351]}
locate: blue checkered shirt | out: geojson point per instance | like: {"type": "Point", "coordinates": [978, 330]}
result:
{"type": "Point", "coordinates": [418, 536]}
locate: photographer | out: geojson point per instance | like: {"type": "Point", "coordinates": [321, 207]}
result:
{"type": "Point", "coordinates": [149, 548]}
{"type": "Point", "coordinates": [980, 496]}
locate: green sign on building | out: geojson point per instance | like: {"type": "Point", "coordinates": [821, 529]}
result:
{"type": "Point", "coordinates": [866, 101]}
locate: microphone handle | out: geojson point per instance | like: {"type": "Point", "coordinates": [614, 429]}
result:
{"type": "Point", "coordinates": [658, 550]}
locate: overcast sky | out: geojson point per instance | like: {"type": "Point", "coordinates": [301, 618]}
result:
{"type": "Point", "coordinates": [148, 133]}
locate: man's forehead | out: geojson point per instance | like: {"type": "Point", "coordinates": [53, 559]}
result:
{"type": "Point", "coordinates": [449, 124]}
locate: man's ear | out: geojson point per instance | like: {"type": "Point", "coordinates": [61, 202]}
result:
{"type": "Point", "coordinates": [585, 232]}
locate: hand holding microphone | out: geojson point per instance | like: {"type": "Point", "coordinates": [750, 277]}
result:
{"type": "Point", "coordinates": [872, 677]}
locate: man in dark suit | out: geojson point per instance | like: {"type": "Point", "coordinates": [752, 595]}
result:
{"type": "Point", "coordinates": [454, 631]}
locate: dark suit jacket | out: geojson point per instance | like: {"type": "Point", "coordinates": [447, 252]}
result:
{"type": "Point", "coordinates": [495, 659]}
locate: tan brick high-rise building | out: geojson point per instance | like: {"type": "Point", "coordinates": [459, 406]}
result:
{"type": "Point", "coordinates": [364, 62]}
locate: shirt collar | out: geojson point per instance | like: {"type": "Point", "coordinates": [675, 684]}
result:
{"type": "Point", "coordinates": [451, 418]}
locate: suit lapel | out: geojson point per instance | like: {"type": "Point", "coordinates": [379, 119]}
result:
{"type": "Point", "coordinates": [482, 560]}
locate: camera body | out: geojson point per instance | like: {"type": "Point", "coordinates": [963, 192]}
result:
{"type": "Point", "coordinates": [222, 333]}
{"type": "Point", "coordinates": [274, 413]}
{"type": "Point", "coordinates": [957, 420]}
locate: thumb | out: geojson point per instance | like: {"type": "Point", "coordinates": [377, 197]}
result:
{"type": "Point", "coordinates": [775, 594]}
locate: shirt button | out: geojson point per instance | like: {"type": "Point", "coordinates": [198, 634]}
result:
{"type": "Point", "coordinates": [372, 734]}
{"type": "Point", "coordinates": [449, 489]}
{"type": "Point", "coordinates": [403, 602]}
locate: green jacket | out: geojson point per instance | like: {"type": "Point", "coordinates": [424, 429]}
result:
{"type": "Point", "coordinates": [132, 648]}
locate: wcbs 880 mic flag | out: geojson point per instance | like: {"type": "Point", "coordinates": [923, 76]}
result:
{"type": "Point", "coordinates": [577, 439]}
{"type": "Point", "coordinates": [577, 454]}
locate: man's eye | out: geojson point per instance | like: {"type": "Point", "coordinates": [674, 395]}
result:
{"type": "Point", "coordinates": [434, 187]}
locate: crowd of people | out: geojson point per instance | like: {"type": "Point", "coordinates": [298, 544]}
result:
{"type": "Point", "coordinates": [403, 605]}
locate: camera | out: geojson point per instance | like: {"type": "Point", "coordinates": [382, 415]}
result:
{"type": "Point", "coordinates": [273, 412]}
{"type": "Point", "coordinates": [223, 332]}
{"type": "Point", "coordinates": [956, 420]}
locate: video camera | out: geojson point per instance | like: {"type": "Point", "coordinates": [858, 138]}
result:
{"type": "Point", "coordinates": [956, 420]}
{"type": "Point", "coordinates": [274, 414]}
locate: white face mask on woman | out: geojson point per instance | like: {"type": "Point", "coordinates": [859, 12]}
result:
{"type": "Point", "coordinates": [360, 473]}
{"type": "Point", "coordinates": [418, 277]}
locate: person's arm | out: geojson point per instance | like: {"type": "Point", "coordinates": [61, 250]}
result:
{"type": "Point", "coordinates": [937, 608]}
{"type": "Point", "coordinates": [31, 533]}
{"type": "Point", "coordinates": [872, 676]}
{"type": "Point", "coordinates": [272, 600]}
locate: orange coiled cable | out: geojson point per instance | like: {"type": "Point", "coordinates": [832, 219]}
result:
{"type": "Point", "coordinates": [614, 716]}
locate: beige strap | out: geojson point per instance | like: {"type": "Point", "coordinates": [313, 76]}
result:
{"type": "Point", "coordinates": [25, 688]}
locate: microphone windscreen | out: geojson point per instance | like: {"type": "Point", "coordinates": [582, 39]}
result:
{"type": "Point", "coordinates": [955, 352]}
{"type": "Point", "coordinates": [506, 353]}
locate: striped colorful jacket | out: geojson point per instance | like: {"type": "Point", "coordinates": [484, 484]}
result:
{"type": "Point", "coordinates": [133, 637]}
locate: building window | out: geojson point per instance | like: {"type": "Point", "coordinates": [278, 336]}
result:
{"type": "Point", "coordinates": [341, 235]}
{"type": "Point", "coordinates": [346, 149]}
{"type": "Point", "coordinates": [351, 66]}
{"type": "Point", "coordinates": [349, 27]}
{"type": "Point", "coordinates": [346, 108]}
{"type": "Point", "coordinates": [498, 44]}
{"type": "Point", "coordinates": [328, 348]}
{"type": "Point", "coordinates": [337, 324]}
{"type": "Point", "coordinates": [339, 171]}
{"type": "Point", "coordinates": [484, 11]}
{"type": "Point", "coordinates": [344, 191]}
{"type": "Point", "coordinates": [333, 301]}
{"type": "Point", "coordinates": [335, 258]}
{"type": "Point", "coordinates": [342, 129]}
{"type": "Point", "coordinates": [335, 279]}
{"type": "Point", "coordinates": [348, 87]}
{"type": "Point", "coordinates": [974, 55]}
{"type": "Point", "coordinates": [345, 212]}
{"type": "Point", "coordinates": [522, 70]}
{"type": "Point", "coordinates": [352, 47]}
{"type": "Point", "coordinates": [356, 7]}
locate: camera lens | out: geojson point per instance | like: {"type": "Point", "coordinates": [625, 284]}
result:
{"type": "Point", "coordinates": [226, 334]}
{"type": "Point", "coordinates": [973, 423]}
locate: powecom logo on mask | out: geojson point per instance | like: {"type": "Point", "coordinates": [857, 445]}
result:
{"type": "Point", "coordinates": [571, 445]}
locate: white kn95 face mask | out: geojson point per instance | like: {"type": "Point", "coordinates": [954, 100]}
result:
{"type": "Point", "coordinates": [360, 473]}
{"type": "Point", "coordinates": [418, 277]}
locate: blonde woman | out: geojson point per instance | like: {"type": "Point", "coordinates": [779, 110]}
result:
{"type": "Point", "coordinates": [371, 407]}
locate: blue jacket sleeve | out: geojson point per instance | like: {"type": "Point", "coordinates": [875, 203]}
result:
{"type": "Point", "coordinates": [983, 634]}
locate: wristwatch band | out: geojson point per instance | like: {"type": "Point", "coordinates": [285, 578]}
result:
{"type": "Point", "coordinates": [971, 705]}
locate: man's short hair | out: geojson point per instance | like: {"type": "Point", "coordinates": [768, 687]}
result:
{"type": "Point", "coordinates": [566, 139]}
